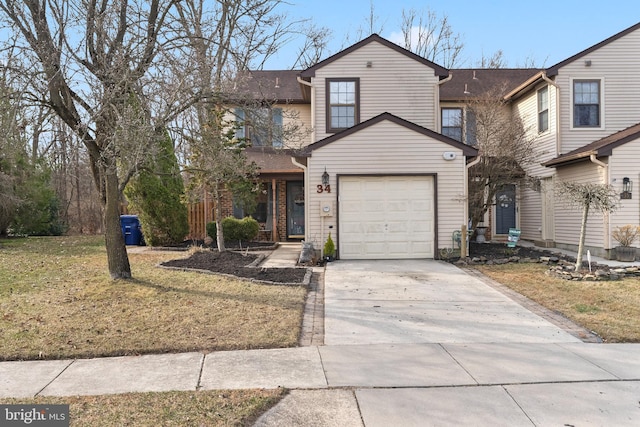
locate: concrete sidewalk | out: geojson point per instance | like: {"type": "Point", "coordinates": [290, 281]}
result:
{"type": "Point", "coordinates": [383, 384]}
{"type": "Point", "coordinates": [528, 372]}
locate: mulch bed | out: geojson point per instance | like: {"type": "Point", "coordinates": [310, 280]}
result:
{"type": "Point", "coordinates": [237, 264]}
{"type": "Point", "coordinates": [494, 251]}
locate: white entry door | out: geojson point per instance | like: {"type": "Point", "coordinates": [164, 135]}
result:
{"type": "Point", "coordinates": [386, 217]}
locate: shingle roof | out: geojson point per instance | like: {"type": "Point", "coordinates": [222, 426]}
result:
{"type": "Point", "coordinates": [273, 85]}
{"type": "Point", "coordinates": [466, 149]}
{"type": "Point", "coordinates": [467, 82]}
{"type": "Point", "coordinates": [601, 148]}
{"type": "Point", "coordinates": [272, 161]}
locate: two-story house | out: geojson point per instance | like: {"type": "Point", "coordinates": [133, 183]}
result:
{"type": "Point", "coordinates": [384, 165]}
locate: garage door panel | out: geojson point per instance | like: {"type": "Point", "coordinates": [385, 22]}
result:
{"type": "Point", "coordinates": [386, 217]}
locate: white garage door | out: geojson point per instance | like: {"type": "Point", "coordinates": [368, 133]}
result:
{"type": "Point", "coordinates": [387, 217]}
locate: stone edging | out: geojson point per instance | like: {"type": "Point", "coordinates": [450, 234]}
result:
{"type": "Point", "coordinates": [560, 268]}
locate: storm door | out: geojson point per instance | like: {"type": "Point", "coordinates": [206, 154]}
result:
{"type": "Point", "coordinates": [295, 209]}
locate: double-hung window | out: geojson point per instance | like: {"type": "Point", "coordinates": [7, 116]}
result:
{"type": "Point", "coordinates": [586, 103]}
{"type": "Point", "coordinates": [452, 123]}
{"type": "Point", "coordinates": [543, 109]}
{"type": "Point", "coordinates": [261, 127]}
{"type": "Point", "coordinates": [343, 99]}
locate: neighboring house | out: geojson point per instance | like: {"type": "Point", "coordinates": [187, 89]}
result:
{"type": "Point", "coordinates": [388, 138]}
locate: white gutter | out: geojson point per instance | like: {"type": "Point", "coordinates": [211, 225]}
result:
{"type": "Point", "coordinates": [313, 107]}
{"type": "Point", "coordinates": [436, 101]}
{"type": "Point", "coordinates": [558, 133]}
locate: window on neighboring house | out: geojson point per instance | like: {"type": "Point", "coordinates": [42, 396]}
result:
{"type": "Point", "coordinates": [543, 109]}
{"type": "Point", "coordinates": [452, 123]}
{"type": "Point", "coordinates": [261, 127]}
{"type": "Point", "coordinates": [343, 109]}
{"type": "Point", "coordinates": [586, 103]}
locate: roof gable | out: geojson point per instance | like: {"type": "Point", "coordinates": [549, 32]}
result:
{"type": "Point", "coordinates": [467, 150]}
{"type": "Point", "coordinates": [552, 71]}
{"type": "Point", "coordinates": [600, 148]}
{"type": "Point", "coordinates": [438, 70]}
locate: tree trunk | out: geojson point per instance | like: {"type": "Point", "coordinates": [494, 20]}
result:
{"type": "Point", "coordinates": [583, 233]}
{"type": "Point", "coordinates": [117, 257]}
{"type": "Point", "coordinates": [219, 232]}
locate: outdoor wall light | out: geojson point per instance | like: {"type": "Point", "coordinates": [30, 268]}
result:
{"type": "Point", "coordinates": [325, 177]}
{"type": "Point", "coordinates": [627, 186]}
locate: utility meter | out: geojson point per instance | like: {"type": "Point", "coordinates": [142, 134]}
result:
{"type": "Point", "coordinates": [326, 209]}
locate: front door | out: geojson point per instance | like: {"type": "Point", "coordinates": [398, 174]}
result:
{"type": "Point", "coordinates": [506, 209]}
{"type": "Point", "coordinates": [295, 210]}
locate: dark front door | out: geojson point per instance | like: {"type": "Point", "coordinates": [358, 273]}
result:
{"type": "Point", "coordinates": [506, 209]}
{"type": "Point", "coordinates": [295, 210]}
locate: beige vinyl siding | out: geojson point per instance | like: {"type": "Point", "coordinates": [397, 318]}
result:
{"type": "Point", "coordinates": [388, 149]}
{"type": "Point", "coordinates": [545, 142]}
{"type": "Point", "coordinates": [617, 65]}
{"type": "Point", "coordinates": [530, 210]}
{"type": "Point", "coordinates": [395, 84]}
{"type": "Point", "coordinates": [624, 163]}
{"type": "Point", "coordinates": [568, 218]}
{"type": "Point", "coordinates": [298, 117]}
{"type": "Point", "coordinates": [530, 202]}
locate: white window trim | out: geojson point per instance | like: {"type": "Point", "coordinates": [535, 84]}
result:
{"type": "Point", "coordinates": [602, 104]}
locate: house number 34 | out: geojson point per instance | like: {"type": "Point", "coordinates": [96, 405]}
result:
{"type": "Point", "coordinates": [323, 189]}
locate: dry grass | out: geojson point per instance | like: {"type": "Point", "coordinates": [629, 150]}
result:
{"type": "Point", "coordinates": [197, 408]}
{"type": "Point", "coordinates": [57, 301]}
{"type": "Point", "coordinates": [611, 308]}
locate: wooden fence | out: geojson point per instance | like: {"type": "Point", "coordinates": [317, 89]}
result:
{"type": "Point", "coordinates": [200, 214]}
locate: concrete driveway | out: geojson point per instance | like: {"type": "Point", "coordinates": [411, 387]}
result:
{"type": "Point", "coordinates": [423, 301]}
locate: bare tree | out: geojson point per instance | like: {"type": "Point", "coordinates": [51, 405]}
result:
{"type": "Point", "coordinates": [586, 197]}
{"type": "Point", "coordinates": [505, 148]}
{"type": "Point", "coordinates": [431, 37]}
{"type": "Point", "coordinates": [227, 40]}
{"type": "Point", "coordinates": [93, 55]}
{"type": "Point", "coordinates": [497, 60]}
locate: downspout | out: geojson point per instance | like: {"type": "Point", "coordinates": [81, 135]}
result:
{"type": "Point", "coordinates": [304, 167]}
{"type": "Point", "coordinates": [313, 107]}
{"type": "Point", "coordinates": [607, 224]}
{"type": "Point", "coordinates": [436, 100]}
{"type": "Point", "coordinates": [558, 134]}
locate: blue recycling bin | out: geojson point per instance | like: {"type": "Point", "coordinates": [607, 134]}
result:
{"type": "Point", "coordinates": [131, 229]}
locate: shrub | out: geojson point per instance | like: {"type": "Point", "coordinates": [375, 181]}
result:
{"type": "Point", "coordinates": [156, 197]}
{"type": "Point", "coordinates": [626, 234]}
{"type": "Point", "coordinates": [329, 247]}
{"type": "Point", "coordinates": [212, 230]}
{"type": "Point", "coordinates": [234, 229]}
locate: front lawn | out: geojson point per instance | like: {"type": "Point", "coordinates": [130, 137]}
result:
{"type": "Point", "coordinates": [57, 301]}
{"type": "Point", "coordinates": [195, 408]}
{"type": "Point", "coordinates": [609, 308]}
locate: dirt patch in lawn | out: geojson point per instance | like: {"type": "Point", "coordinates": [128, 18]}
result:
{"type": "Point", "coordinates": [237, 264]}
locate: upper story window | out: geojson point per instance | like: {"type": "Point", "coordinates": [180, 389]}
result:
{"type": "Point", "coordinates": [586, 103]}
{"type": "Point", "coordinates": [343, 99]}
{"type": "Point", "coordinates": [261, 127]}
{"type": "Point", "coordinates": [543, 109]}
{"type": "Point", "coordinates": [459, 124]}
{"type": "Point", "coordinates": [452, 123]}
